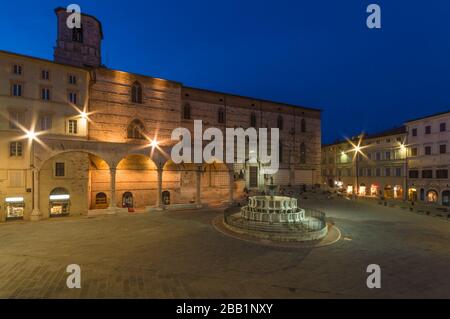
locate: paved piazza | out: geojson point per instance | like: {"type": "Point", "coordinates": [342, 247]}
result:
{"type": "Point", "coordinates": [181, 255]}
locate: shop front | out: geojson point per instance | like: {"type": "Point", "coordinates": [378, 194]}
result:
{"type": "Point", "coordinates": [59, 202]}
{"type": "Point", "coordinates": [388, 191]}
{"type": "Point", "coordinates": [362, 190]}
{"type": "Point", "coordinates": [15, 208]}
{"type": "Point", "coordinates": [412, 194]}
{"type": "Point", "coordinates": [374, 190]}
{"type": "Point", "coordinates": [398, 192]}
{"type": "Point", "coordinates": [350, 189]}
{"type": "Point", "coordinates": [432, 197]}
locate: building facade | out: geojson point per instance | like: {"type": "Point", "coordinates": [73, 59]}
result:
{"type": "Point", "coordinates": [368, 165]}
{"type": "Point", "coordinates": [429, 159]}
{"type": "Point", "coordinates": [78, 137]}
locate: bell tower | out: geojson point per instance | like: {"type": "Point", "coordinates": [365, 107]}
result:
{"type": "Point", "coordinates": [78, 47]}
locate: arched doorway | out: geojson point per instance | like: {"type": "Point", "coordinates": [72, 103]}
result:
{"type": "Point", "coordinates": [101, 201]}
{"type": "Point", "coordinates": [446, 198]}
{"type": "Point", "coordinates": [362, 190]}
{"type": "Point", "coordinates": [374, 190]}
{"type": "Point", "coordinates": [422, 194]}
{"type": "Point", "coordinates": [412, 194]}
{"type": "Point", "coordinates": [398, 192]}
{"type": "Point", "coordinates": [83, 174]}
{"type": "Point", "coordinates": [59, 202]}
{"type": "Point", "coordinates": [127, 200]}
{"type": "Point", "coordinates": [136, 175]}
{"type": "Point", "coordinates": [349, 189]}
{"type": "Point", "coordinates": [432, 197]}
{"type": "Point", "coordinates": [388, 191]}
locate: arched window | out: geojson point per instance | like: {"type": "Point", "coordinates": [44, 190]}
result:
{"type": "Point", "coordinates": [221, 116]}
{"type": "Point", "coordinates": [253, 119]}
{"type": "Point", "coordinates": [280, 122]}
{"type": "Point", "coordinates": [187, 112]}
{"type": "Point", "coordinates": [303, 153]}
{"type": "Point", "coordinates": [135, 130]}
{"type": "Point", "coordinates": [303, 126]}
{"type": "Point", "coordinates": [101, 200]}
{"type": "Point", "coordinates": [136, 93]}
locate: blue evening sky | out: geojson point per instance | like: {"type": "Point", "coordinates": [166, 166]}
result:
{"type": "Point", "coordinates": [312, 53]}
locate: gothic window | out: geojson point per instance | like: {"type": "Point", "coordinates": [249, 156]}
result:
{"type": "Point", "coordinates": [303, 153]}
{"type": "Point", "coordinates": [253, 120]}
{"type": "Point", "coordinates": [136, 93]}
{"type": "Point", "coordinates": [303, 126]}
{"type": "Point", "coordinates": [221, 116]}
{"type": "Point", "coordinates": [135, 130]}
{"type": "Point", "coordinates": [187, 112]}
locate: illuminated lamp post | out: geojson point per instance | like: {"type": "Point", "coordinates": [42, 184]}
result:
{"type": "Point", "coordinates": [35, 213]}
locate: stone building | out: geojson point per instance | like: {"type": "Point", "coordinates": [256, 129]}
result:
{"type": "Point", "coordinates": [368, 165]}
{"type": "Point", "coordinates": [80, 138]}
{"type": "Point", "coordinates": [429, 159]}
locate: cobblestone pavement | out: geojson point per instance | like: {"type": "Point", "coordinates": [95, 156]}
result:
{"type": "Point", "coordinates": [180, 255]}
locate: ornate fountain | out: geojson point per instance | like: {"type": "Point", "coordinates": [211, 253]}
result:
{"type": "Point", "coordinates": [273, 209]}
{"type": "Point", "coordinates": [277, 218]}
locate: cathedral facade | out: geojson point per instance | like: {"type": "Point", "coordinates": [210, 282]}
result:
{"type": "Point", "coordinates": [78, 138]}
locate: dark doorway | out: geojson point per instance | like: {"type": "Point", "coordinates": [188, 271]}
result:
{"type": "Point", "coordinates": [127, 200]}
{"type": "Point", "coordinates": [253, 177]}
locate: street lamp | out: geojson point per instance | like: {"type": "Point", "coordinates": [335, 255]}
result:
{"type": "Point", "coordinates": [357, 149]}
{"type": "Point", "coordinates": [32, 136]}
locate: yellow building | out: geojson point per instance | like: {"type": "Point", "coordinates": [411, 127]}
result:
{"type": "Point", "coordinates": [35, 96]}
{"type": "Point", "coordinates": [368, 165]}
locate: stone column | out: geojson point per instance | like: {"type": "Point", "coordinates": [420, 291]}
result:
{"type": "Point", "coordinates": [198, 184]}
{"type": "Point", "coordinates": [231, 187]}
{"type": "Point", "coordinates": [113, 202]}
{"type": "Point", "coordinates": [159, 203]}
{"type": "Point", "coordinates": [36, 214]}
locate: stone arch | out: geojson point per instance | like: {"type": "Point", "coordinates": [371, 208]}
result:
{"type": "Point", "coordinates": [136, 174]}
{"type": "Point", "coordinates": [81, 173]}
{"type": "Point", "coordinates": [42, 157]}
{"type": "Point", "coordinates": [432, 196]}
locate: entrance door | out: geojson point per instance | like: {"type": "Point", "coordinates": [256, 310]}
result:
{"type": "Point", "coordinates": [446, 198]}
{"type": "Point", "coordinates": [253, 177]}
{"type": "Point", "coordinates": [127, 200]}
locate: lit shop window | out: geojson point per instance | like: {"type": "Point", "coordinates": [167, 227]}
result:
{"type": "Point", "coordinates": [15, 207]}
{"type": "Point", "coordinates": [349, 189]}
{"type": "Point", "coordinates": [59, 202]}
